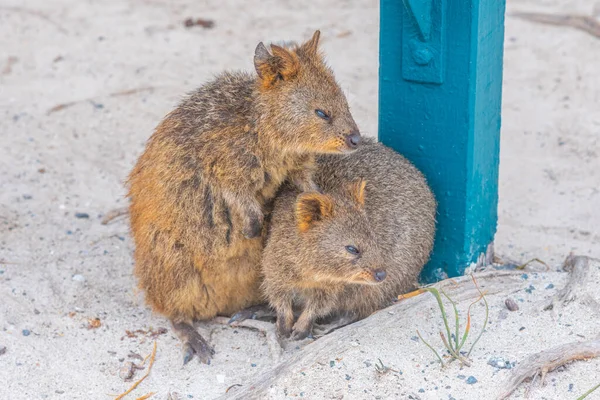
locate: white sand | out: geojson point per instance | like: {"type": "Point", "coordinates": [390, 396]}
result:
{"type": "Point", "coordinates": [57, 270]}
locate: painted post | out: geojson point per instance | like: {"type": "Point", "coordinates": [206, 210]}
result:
{"type": "Point", "coordinates": [440, 87]}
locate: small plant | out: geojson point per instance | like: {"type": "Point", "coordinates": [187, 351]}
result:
{"type": "Point", "coordinates": [383, 369]}
{"type": "Point", "coordinates": [454, 343]}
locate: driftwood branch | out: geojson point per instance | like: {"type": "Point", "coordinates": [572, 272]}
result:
{"type": "Point", "coordinates": [340, 341]}
{"type": "Point", "coordinates": [548, 360]}
{"type": "Point", "coordinates": [576, 288]}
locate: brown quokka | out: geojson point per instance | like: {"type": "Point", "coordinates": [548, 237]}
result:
{"type": "Point", "coordinates": [200, 189]}
{"type": "Point", "coordinates": [349, 251]}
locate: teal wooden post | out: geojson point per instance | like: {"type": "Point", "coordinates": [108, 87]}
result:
{"type": "Point", "coordinates": [440, 86]}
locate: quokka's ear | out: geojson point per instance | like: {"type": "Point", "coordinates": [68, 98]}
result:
{"type": "Point", "coordinates": [281, 65]}
{"type": "Point", "coordinates": [311, 208]}
{"type": "Point", "coordinates": [311, 47]}
{"type": "Point", "coordinates": [357, 191]}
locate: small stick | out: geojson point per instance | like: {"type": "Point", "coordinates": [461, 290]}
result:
{"type": "Point", "coordinates": [411, 294]}
{"type": "Point", "coordinates": [132, 388]}
{"type": "Point", "coordinates": [522, 266]}
{"type": "Point", "coordinates": [549, 360]}
{"type": "Point", "coordinates": [265, 327]}
{"type": "Point", "coordinates": [62, 106]}
{"type": "Point", "coordinates": [35, 14]}
{"type": "Point", "coordinates": [581, 22]}
{"type": "Point", "coordinates": [232, 386]}
{"type": "Point", "coordinates": [146, 396]}
{"type": "Point", "coordinates": [132, 91]}
{"type": "Point", "coordinates": [116, 213]}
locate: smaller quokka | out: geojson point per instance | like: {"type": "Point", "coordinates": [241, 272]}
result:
{"type": "Point", "coordinates": [353, 248]}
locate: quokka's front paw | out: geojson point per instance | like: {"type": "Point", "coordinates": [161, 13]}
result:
{"type": "Point", "coordinates": [300, 334]}
{"type": "Point", "coordinates": [283, 329]}
{"type": "Point", "coordinates": [253, 226]}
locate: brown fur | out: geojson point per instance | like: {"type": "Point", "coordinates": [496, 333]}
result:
{"type": "Point", "coordinates": [391, 220]}
{"type": "Point", "coordinates": [200, 189]}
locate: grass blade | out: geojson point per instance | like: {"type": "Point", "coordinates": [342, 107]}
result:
{"type": "Point", "coordinates": [468, 328]}
{"type": "Point", "coordinates": [586, 394]}
{"type": "Point", "coordinates": [456, 324]}
{"type": "Point", "coordinates": [432, 349]}
{"type": "Point", "coordinates": [437, 296]}
{"type": "Point", "coordinates": [487, 312]}
{"type": "Point", "coordinates": [453, 353]}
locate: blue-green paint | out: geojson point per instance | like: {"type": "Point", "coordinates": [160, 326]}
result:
{"type": "Point", "coordinates": [444, 114]}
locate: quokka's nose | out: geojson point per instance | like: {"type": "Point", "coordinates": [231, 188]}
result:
{"type": "Point", "coordinates": [353, 140]}
{"type": "Point", "coordinates": [379, 275]}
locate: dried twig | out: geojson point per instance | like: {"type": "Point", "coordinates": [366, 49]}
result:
{"type": "Point", "coordinates": [582, 22]}
{"type": "Point", "coordinates": [62, 106]}
{"type": "Point", "coordinates": [265, 327]}
{"type": "Point", "coordinates": [146, 396]}
{"type": "Point", "coordinates": [525, 264]}
{"type": "Point", "coordinates": [232, 386]}
{"type": "Point", "coordinates": [548, 360]}
{"type": "Point", "coordinates": [37, 14]}
{"type": "Point", "coordinates": [113, 214]}
{"type": "Point", "coordinates": [132, 388]}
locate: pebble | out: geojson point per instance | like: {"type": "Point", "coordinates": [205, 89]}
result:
{"type": "Point", "coordinates": [550, 286]}
{"type": "Point", "coordinates": [27, 197]}
{"type": "Point", "coordinates": [348, 377]}
{"type": "Point", "coordinates": [503, 314]}
{"type": "Point", "coordinates": [78, 278]}
{"type": "Point", "coordinates": [126, 371]}
{"type": "Point", "coordinates": [530, 289]}
{"type": "Point", "coordinates": [82, 215]}
{"type": "Point", "coordinates": [2, 350]}
{"type": "Point", "coordinates": [499, 363]}
{"type": "Point", "coordinates": [461, 377]}
{"type": "Point", "coordinates": [471, 380]}
{"type": "Point", "coordinates": [26, 332]}
{"type": "Point", "coordinates": [511, 304]}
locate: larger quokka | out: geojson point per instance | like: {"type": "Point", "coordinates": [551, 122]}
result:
{"type": "Point", "coordinates": [353, 248]}
{"type": "Point", "coordinates": [200, 189]}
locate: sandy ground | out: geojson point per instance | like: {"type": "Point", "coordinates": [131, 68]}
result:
{"type": "Point", "coordinates": [82, 84]}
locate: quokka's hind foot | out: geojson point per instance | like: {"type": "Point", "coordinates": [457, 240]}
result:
{"type": "Point", "coordinates": [193, 343]}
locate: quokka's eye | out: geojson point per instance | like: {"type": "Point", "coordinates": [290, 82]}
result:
{"type": "Point", "coordinates": [322, 114]}
{"type": "Point", "coordinates": [352, 250]}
